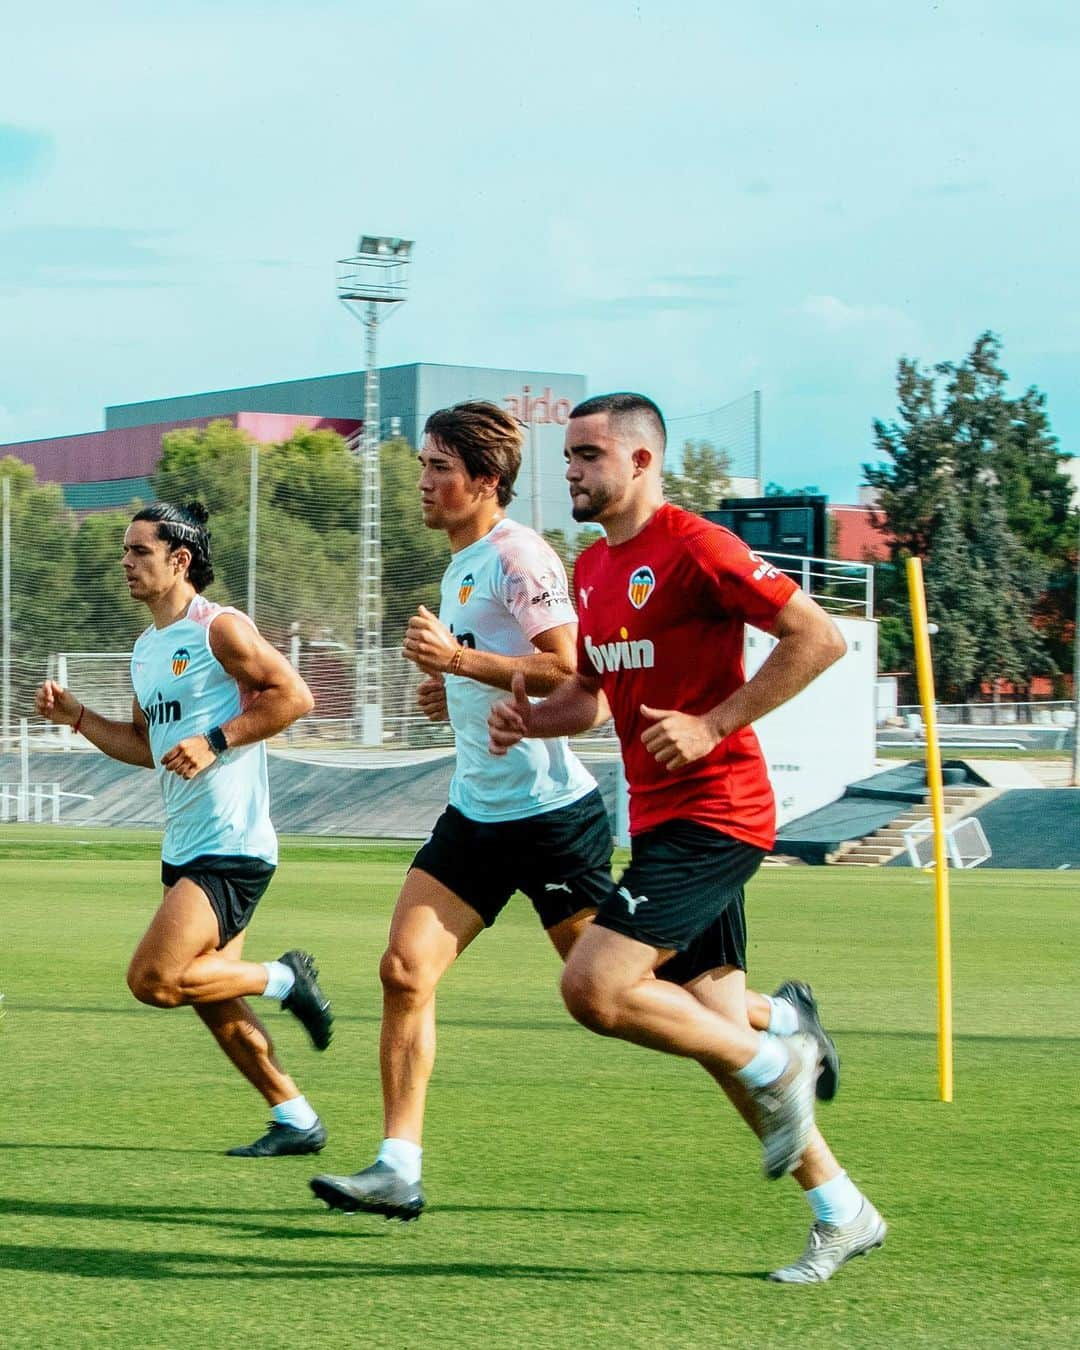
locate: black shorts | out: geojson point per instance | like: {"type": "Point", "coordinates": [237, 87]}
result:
{"type": "Point", "coordinates": [683, 892]}
{"type": "Point", "coordinates": [234, 886]}
{"type": "Point", "coordinates": [561, 859]}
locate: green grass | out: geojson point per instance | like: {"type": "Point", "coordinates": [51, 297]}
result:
{"type": "Point", "coordinates": [582, 1192]}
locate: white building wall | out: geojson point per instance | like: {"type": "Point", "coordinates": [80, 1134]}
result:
{"type": "Point", "coordinates": [824, 738]}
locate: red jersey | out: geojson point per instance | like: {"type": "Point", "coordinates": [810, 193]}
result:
{"type": "Point", "coordinates": [660, 621]}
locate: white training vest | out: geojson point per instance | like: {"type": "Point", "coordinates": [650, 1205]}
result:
{"type": "Point", "coordinates": [497, 595]}
{"type": "Point", "coordinates": [183, 691]}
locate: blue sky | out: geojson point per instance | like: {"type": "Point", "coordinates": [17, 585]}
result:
{"type": "Point", "coordinates": [693, 199]}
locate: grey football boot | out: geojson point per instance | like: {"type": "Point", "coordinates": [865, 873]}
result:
{"type": "Point", "coordinates": [801, 997]}
{"type": "Point", "coordinates": [830, 1245]}
{"type": "Point", "coordinates": [281, 1140]}
{"type": "Point", "coordinates": [378, 1189]}
{"type": "Point", "coordinates": [785, 1107]}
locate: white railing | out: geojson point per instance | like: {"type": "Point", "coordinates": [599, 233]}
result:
{"type": "Point", "coordinates": [840, 587]}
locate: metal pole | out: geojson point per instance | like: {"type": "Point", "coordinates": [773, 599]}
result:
{"type": "Point", "coordinates": [757, 439]}
{"type": "Point", "coordinates": [5, 613]}
{"type": "Point", "coordinates": [534, 479]}
{"type": "Point", "coordinates": [1076, 671]}
{"type": "Point", "coordinates": [925, 670]}
{"type": "Point", "coordinates": [253, 527]}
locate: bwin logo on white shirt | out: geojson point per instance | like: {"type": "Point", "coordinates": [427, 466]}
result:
{"type": "Point", "coordinates": [632, 901]}
{"type": "Point", "coordinates": [639, 654]}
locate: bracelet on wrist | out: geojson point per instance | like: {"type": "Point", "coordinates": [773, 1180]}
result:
{"type": "Point", "coordinates": [454, 667]}
{"type": "Point", "coordinates": [78, 721]}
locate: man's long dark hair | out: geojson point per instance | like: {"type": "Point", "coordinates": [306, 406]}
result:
{"type": "Point", "coordinates": [184, 525]}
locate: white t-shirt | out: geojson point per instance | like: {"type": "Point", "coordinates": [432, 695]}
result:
{"type": "Point", "coordinates": [497, 595]}
{"type": "Point", "coordinates": [183, 690]}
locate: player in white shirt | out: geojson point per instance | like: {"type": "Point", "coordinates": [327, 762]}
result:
{"type": "Point", "coordinates": [533, 821]}
{"type": "Point", "coordinates": [209, 691]}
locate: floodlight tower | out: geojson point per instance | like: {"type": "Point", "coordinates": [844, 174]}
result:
{"type": "Point", "coordinates": [370, 285]}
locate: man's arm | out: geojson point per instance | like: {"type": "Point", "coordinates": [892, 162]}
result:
{"type": "Point", "coordinates": [576, 706]}
{"type": "Point", "coordinates": [273, 695]}
{"type": "Point", "coordinates": [808, 643]}
{"type": "Point", "coordinates": [128, 742]}
{"type": "Point", "coordinates": [431, 646]}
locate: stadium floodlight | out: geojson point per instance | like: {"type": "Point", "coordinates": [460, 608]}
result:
{"type": "Point", "coordinates": [370, 285]}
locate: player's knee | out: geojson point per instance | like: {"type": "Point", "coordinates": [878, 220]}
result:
{"type": "Point", "coordinates": [152, 986]}
{"type": "Point", "coordinates": [588, 1002]}
{"type": "Point", "coordinates": [405, 977]}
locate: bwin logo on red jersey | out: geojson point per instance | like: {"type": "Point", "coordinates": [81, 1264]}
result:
{"type": "Point", "coordinates": [623, 655]}
{"type": "Point", "coordinates": [642, 585]}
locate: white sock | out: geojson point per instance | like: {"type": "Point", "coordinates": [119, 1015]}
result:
{"type": "Point", "coordinates": [296, 1112]}
{"type": "Point", "coordinates": [837, 1200]}
{"type": "Point", "coordinates": [783, 1019]}
{"type": "Point", "coordinates": [767, 1065]}
{"type": "Point", "coordinates": [279, 980]}
{"type": "Point", "coordinates": [404, 1157]}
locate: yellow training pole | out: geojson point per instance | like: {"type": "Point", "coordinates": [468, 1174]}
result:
{"type": "Point", "coordinates": [925, 671]}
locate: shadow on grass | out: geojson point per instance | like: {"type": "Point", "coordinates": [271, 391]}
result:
{"type": "Point", "coordinates": [257, 1221]}
{"type": "Point", "coordinates": [107, 1263]}
{"type": "Point", "coordinates": [115, 1148]}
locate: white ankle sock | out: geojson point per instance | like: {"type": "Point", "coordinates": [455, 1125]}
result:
{"type": "Point", "coordinates": [297, 1112]}
{"type": "Point", "coordinates": [767, 1065]}
{"type": "Point", "coordinates": [783, 1019]}
{"type": "Point", "coordinates": [279, 980]}
{"type": "Point", "coordinates": [404, 1157]}
{"type": "Point", "coordinates": [837, 1200]}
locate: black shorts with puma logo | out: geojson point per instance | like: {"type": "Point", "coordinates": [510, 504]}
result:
{"type": "Point", "coordinates": [561, 859]}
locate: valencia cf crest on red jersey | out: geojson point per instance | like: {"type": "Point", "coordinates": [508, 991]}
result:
{"type": "Point", "coordinates": [642, 585]}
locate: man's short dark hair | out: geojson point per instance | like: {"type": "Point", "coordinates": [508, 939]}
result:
{"type": "Point", "coordinates": [487, 439]}
{"type": "Point", "coordinates": [625, 405]}
{"type": "Point", "coordinates": [184, 526]}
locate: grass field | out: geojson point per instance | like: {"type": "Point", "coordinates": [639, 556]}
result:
{"type": "Point", "coordinates": [581, 1192]}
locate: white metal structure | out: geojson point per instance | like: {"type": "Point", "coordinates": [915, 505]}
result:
{"type": "Point", "coordinates": [370, 285]}
{"type": "Point", "coordinates": [839, 587]}
{"type": "Point", "coordinates": [965, 843]}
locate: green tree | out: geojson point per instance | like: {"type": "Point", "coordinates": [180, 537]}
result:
{"type": "Point", "coordinates": [104, 617]}
{"type": "Point", "coordinates": [42, 575]}
{"type": "Point", "coordinates": [413, 557]}
{"type": "Point", "coordinates": [570, 547]}
{"type": "Point", "coordinates": [964, 457]}
{"type": "Point", "coordinates": [702, 479]}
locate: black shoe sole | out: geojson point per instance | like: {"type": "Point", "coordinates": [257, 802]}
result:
{"type": "Point", "coordinates": [278, 1153]}
{"type": "Point", "coordinates": [349, 1204]}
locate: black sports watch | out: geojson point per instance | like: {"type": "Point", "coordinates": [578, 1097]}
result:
{"type": "Point", "coordinates": [215, 739]}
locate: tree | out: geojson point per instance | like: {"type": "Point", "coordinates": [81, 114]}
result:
{"type": "Point", "coordinates": [42, 573]}
{"type": "Point", "coordinates": [965, 458]}
{"type": "Point", "coordinates": [570, 547]}
{"type": "Point", "coordinates": [413, 557]}
{"type": "Point", "coordinates": [703, 478]}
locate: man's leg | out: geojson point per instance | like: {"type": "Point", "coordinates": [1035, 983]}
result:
{"type": "Point", "coordinates": [182, 938]}
{"type": "Point", "coordinates": [430, 929]}
{"type": "Point", "coordinates": [610, 986]}
{"type": "Point", "coordinates": [178, 962]}
{"type": "Point", "coordinates": [846, 1224]}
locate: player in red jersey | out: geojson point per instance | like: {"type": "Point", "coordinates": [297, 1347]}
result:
{"type": "Point", "coordinates": [662, 603]}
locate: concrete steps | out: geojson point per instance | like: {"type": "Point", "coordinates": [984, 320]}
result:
{"type": "Point", "coordinates": [887, 842]}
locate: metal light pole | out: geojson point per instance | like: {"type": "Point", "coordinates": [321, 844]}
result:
{"type": "Point", "coordinates": [5, 611]}
{"type": "Point", "coordinates": [1076, 671]}
{"type": "Point", "coordinates": [370, 285]}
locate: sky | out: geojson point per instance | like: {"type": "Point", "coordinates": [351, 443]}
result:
{"type": "Point", "coordinates": [691, 198]}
